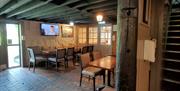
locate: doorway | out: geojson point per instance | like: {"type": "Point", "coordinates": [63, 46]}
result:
{"type": "Point", "coordinates": [13, 45]}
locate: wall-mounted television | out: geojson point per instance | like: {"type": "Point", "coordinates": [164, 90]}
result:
{"type": "Point", "coordinates": [49, 29]}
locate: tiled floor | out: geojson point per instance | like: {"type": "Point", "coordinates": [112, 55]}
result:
{"type": "Point", "coordinates": [21, 79]}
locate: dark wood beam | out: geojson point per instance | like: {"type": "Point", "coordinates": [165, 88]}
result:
{"type": "Point", "coordinates": [127, 21]}
{"type": "Point", "coordinates": [58, 15]}
{"type": "Point", "coordinates": [109, 8]}
{"type": "Point", "coordinates": [27, 7]}
{"type": "Point", "coordinates": [52, 10]}
{"type": "Point", "coordinates": [3, 2]}
{"type": "Point", "coordinates": [39, 10]}
{"type": "Point", "coordinates": [59, 10]}
{"type": "Point", "coordinates": [99, 5]}
{"type": "Point", "coordinates": [13, 5]}
{"type": "Point", "coordinates": [85, 3]}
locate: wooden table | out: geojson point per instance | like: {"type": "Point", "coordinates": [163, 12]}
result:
{"type": "Point", "coordinates": [108, 63]}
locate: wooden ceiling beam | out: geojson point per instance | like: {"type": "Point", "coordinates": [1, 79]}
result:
{"type": "Point", "coordinates": [27, 7]}
{"type": "Point", "coordinates": [55, 16]}
{"type": "Point", "coordinates": [58, 10]}
{"type": "Point", "coordinates": [103, 9]}
{"type": "Point", "coordinates": [48, 10]}
{"type": "Point", "coordinates": [99, 5]}
{"type": "Point", "coordinates": [68, 16]}
{"type": "Point", "coordinates": [3, 2]}
{"type": "Point", "coordinates": [82, 4]}
{"type": "Point", "coordinates": [13, 5]}
{"type": "Point", "coordinates": [38, 10]}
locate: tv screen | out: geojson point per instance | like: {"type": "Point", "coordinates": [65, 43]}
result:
{"type": "Point", "coordinates": [49, 29]}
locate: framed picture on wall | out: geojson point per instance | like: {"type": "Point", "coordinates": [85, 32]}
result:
{"type": "Point", "coordinates": [146, 11]}
{"type": "Point", "coordinates": [67, 31]}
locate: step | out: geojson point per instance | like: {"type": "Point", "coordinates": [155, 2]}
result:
{"type": "Point", "coordinates": [175, 18]}
{"type": "Point", "coordinates": [174, 37]}
{"type": "Point", "coordinates": [172, 81]}
{"type": "Point", "coordinates": [177, 44]}
{"type": "Point", "coordinates": [174, 31]}
{"type": "Point", "coordinates": [177, 22]}
{"type": "Point", "coordinates": [173, 70]}
{"type": "Point", "coordinates": [169, 51]}
{"type": "Point", "coordinates": [172, 40]}
{"type": "Point", "coordinates": [172, 60]}
{"type": "Point", "coordinates": [175, 15]}
{"type": "Point", "coordinates": [174, 21]}
{"type": "Point", "coordinates": [173, 34]}
{"type": "Point", "coordinates": [174, 25]}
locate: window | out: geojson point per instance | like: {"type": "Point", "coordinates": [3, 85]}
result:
{"type": "Point", "coordinates": [105, 35]}
{"type": "Point", "coordinates": [82, 33]}
{"type": "Point", "coordinates": [93, 35]}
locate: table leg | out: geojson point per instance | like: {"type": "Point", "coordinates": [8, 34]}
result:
{"type": "Point", "coordinates": [109, 78]}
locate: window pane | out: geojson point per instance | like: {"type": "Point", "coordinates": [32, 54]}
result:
{"type": "Point", "coordinates": [105, 35]}
{"type": "Point", "coordinates": [82, 35]}
{"type": "Point", "coordinates": [93, 35]}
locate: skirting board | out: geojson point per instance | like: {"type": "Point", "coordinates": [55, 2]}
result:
{"type": "Point", "coordinates": [3, 67]}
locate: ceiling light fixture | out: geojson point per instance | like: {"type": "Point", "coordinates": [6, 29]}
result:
{"type": "Point", "coordinates": [99, 18]}
{"type": "Point", "coordinates": [71, 23]}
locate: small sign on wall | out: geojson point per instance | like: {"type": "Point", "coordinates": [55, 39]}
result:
{"type": "Point", "coordinates": [149, 50]}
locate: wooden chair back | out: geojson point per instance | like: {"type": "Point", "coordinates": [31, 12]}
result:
{"type": "Point", "coordinates": [90, 48]}
{"type": "Point", "coordinates": [96, 55]}
{"type": "Point", "coordinates": [84, 49]}
{"type": "Point", "coordinates": [60, 53]}
{"type": "Point", "coordinates": [31, 55]}
{"type": "Point", "coordinates": [70, 52]}
{"type": "Point", "coordinates": [85, 59]}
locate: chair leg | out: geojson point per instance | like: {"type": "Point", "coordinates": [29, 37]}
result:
{"type": "Point", "coordinates": [73, 61]}
{"type": "Point", "coordinates": [47, 65]}
{"type": "Point", "coordinates": [56, 66]}
{"type": "Point", "coordinates": [34, 64]}
{"type": "Point", "coordinates": [80, 80]}
{"type": "Point", "coordinates": [29, 65]}
{"type": "Point", "coordinates": [94, 83]}
{"type": "Point", "coordinates": [67, 64]}
{"type": "Point", "coordinates": [104, 79]}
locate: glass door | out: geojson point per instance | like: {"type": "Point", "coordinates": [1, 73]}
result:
{"type": "Point", "coordinates": [13, 45]}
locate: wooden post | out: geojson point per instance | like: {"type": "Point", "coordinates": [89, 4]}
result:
{"type": "Point", "coordinates": [126, 45]}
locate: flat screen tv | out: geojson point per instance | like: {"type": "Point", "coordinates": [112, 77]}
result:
{"type": "Point", "coordinates": [49, 29]}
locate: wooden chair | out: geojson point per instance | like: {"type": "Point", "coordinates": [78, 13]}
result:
{"type": "Point", "coordinates": [34, 58]}
{"type": "Point", "coordinates": [90, 48]}
{"type": "Point", "coordinates": [70, 55]}
{"type": "Point", "coordinates": [60, 56]}
{"type": "Point", "coordinates": [84, 50]}
{"type": "Point", "coordinates": [96, 55]}
{"type": "Point", "coordinates": [88, 71]}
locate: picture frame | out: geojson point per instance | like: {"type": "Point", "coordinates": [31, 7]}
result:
{"type": "Point", "coordinates": [146, 11]}
{"type": "Point", "coordinates": [67, 31]}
